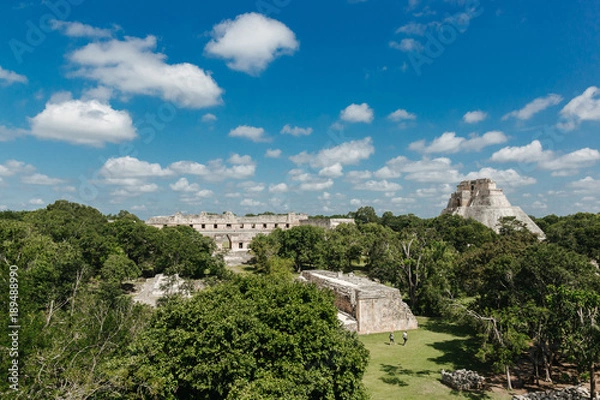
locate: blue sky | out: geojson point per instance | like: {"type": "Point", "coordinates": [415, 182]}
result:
{"type": "Point", "coordinates": [306, 106]}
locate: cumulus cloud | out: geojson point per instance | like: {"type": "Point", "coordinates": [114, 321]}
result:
{"type": "Point", "coordinates": [278, 188]}
{"type": "Point", "coordinates": [77, 29]}
{"type": "Point", "coordinates": [534, 107]}
{"type": "Point", "coordinates": [130, 171]}
{"type": "Point", "coordinates": [401, 115]}
{"type": "Point", "coordinates": [561, 165]}
{"type": "Point", "coordinates": [532, 152]}
{"type": "Point", "coordinates": [296, 131]}
{"type": "Point", "coordinates": [316, 185]}
{"type": "Point", "coordinates": [425, 170]}
{"type": "Point", "coordinates": [378, 186]}
{"type": "Point", "coordinates": [354, 176]}
{"type": "Point", "coordinates": [273, 153]}
{"type": "Point", "coordinates": [183, 185]}
{"type": "Point", "coordinates": [250, 203]}
{"type": "Point", "coordinates": [332, 171]}
{"type": "Point", "coordinates": [9, 77]}
{"type": "Point", "coordinates": [586, 185]}
{"type": "Point", "coordinates": [41, 179]}
{"type": "Point", "coordinates": [473, 117]}
{"type": "Point", "coordinates": [207, 118]}
{"type": "Point", "coordinates": [7, 133]}
{"type": "Point", "coordinates": [14, 167]}
{"type": "Point", "coordinates": [242, 167]}
{"type": "Point", "coordinates": [91, 123]}
{"type": "Point", "coordinates": [585, 107]}
{"type": "Point", "coordinates": [249, 132]}
{"type": "Point", "coordinates": [407, 45]}
{"type": "Point", "coordinates": [504, 178]}
{"type": "Point", "coordinates": [357, 113]}
{"type": "Point", "coordinates": [450, 143]}
{"type": "Point", "coordinates": [251, 42]}
{"type": "Point", "coordinates": [132, 67]}
{"type": "Point", "coordinates": [348, 153]}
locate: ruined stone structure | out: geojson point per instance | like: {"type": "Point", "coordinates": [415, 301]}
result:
{"type": "Point", "coordinates": [481, 200]}
{"type": "Point", "coordinates": [375, 307]}
{"type": "Point", "coordinates": [327, 223]}
{"type": "Point", "coordinates": [229, 231]}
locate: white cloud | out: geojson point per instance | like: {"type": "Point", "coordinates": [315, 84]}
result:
{"type": "Point", "coordinates": [585, 107]}
{"type": "Point", "coordinates": [354, 176]}
{"type": "Point", "coordinates": [207, 118]}
{"type": "Point", "coordinates": [37, 202]}
{"type": "Point", "coordinates": [413, 28]}
{"type": "Point", "coordinates": [100, 93]}
{"type": "Point", "coordinates": [316, 185]}
{"type": "Point", "coordinates": [450, 143]}
{"type": "Point", "coordinates": [532, 152]}
{"type": "Point", "coordinates": [401, 115]}
{"type": "Point", "coordinates": [183, 185]}
{"type": "Point", "coordinates": [407, 45]}
{"type": "Point", "coordinates": [562, 165]}
{"type": "Point", "coordinates": [10, 77]}
{"type": "Point", "coordinates": [130, 171]}
{"type": "Point", "coordinates": [378, 186]}
{"type": "Point", "coordinates": [13, 167]}
{"type": "Point", "coordinates": [133, 190]}
{"type": "Point", "coordinates": [273, 153]}
{"type": "Point", "coordinates": [572, 161]}
{"type": "Point", "coordinates": [333, 171]}
{"type": "Point", "coordinates": [250, 203]}
{"type": "Point", "coordinates": [41, 179]}
{"type": "Point", "coordinates": [251, 187]}
{"type": "Point", "coordinates": [504, 178]}
{"type": "Point", "coordinates": [7, 133]}
{"type": "Point", "coordinates": [357, 113]}
{"type": "Point", "coordinates": [403, 200]}
{"type": "Point", "coordinates": [348, 153]}
{"type": "Point", "coordinates": [296, 131]}
{"type": "Point", "coordinates": [538, 205]}
{"type": "Point", "coordinates": [425, 170]}
{"type": "Point", "coordinates": [251, 42]}
{"type": "Point", "coordinates": [472, 117]}
{"type": "Point", "coordinates": [90, 123]}
{"type": "Point", "coordinates": [77, 29]}
{"type": "Point", "coordinates": [586, 185]}
{"type": "Point", "coordinates": [243, 167]}
{"type": "Point", "coordinates": [355, 202]}
{"type": "Point", "coordinates": [278, 188]}
{"type": "Point", "coordinates": [249, 132]}
{"type": "Point", "coordinates": [534, 107]}
{"type": "Point", "coordinates": [133, 67]}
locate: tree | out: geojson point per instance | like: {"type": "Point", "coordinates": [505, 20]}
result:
{"type": "Point", "coordinates": [263, 247]}
{"type": "Point", "coordinates": [364, 215]}
{"type": "Point", "coordinates": [302, 244]}
{"type": "Point", "coordinates": [341, 247]}
{"type": "Point", "coordinates": [251, 338]}
{"type": "Point", "coordinates": [579, 311]}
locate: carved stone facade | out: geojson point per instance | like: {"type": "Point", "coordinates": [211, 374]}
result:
{"type": "Point", "coordinates": [481, 200]}
{"type": "Point", "coordinates": [229, 231]}
{"type": "Point", "coordinates": [376, 307]}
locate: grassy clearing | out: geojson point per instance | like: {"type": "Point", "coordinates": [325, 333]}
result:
{"type": "Point", "coordinates": [413, 371]}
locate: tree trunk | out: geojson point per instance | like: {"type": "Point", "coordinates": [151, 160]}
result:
{"type": "Point", "coordinates": [592, 382]}
{"type": "Point", "coordinates": [508, 382]}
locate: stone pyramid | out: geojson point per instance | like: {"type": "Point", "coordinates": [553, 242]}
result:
{"type": "Point", "coordinates": [481, 200]}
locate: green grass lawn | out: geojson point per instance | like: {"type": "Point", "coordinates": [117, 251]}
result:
{"type": "Point", "coordinates": [413, 371]}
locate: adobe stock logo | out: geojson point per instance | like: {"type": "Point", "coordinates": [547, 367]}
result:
{"type": "Point", "coordinates": [443, 36]}
{"type": "Point", "coordinates": [36, 33]}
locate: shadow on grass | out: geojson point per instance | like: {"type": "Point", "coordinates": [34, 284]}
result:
{"type": "Point", "coordinates": [394, 372]}
{"type": "Point", "coordinates": [470, 395]}
{"type": "Point", "coordinates": [440, 326]}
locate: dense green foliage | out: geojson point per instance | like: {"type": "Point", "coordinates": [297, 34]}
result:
{"type": "Point", "coordinates": [252, 338]}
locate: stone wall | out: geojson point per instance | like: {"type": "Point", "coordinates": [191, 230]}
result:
{"type": "Point", "coordinates": [570, 393]}
{"type": "Point", "coordinates": [376, 307]}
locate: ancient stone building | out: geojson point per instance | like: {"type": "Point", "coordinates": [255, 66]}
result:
{"type": "Point", "coordinates": [327, 223]}
{"type": "Point", "coordinates": [481, 200]}
{"type": "Point", "coordinates": [229, 231]}
{"type": "Point", "coordinates": [375, 307]}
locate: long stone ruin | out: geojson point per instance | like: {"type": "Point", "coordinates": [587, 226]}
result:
{"type": "Point", "coordinates": [375, 307]}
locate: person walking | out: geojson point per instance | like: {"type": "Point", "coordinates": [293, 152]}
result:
{"type": "Point", "coordinates": [405, 337]}
{"type": "Point", "coordinates": [392, 338]}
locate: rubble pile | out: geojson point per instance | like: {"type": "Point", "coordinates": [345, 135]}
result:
{"type": "Point", "coordinates": [569, 393]}
{"type": "Point", "coordinates": [463, 379]}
